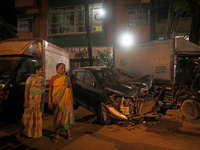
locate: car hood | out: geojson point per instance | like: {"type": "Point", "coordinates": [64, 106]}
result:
{"type": "Point", "coordinates": [131, 88]}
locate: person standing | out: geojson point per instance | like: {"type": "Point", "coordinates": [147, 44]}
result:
{"type": "Point", "coordinates": [32, 116]}
{"type": "Point", "coordinates": [61, 101]}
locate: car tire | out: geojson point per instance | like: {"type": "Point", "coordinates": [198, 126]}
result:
{"type": "Point", "coordinates": [103, 114]}
{"type": "Point", "coordinates": [191, 109]}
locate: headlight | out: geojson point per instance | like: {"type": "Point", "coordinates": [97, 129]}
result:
{"type": "Point", "coordinates": [4, 95]}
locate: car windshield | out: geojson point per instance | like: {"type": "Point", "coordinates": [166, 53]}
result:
{"type": "Point", "coordinates": [6, 68]}
{"type": "Point", "coordinates": [111, 75]}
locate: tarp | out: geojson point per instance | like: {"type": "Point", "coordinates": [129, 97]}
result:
{"type": "Point", "coordinates": [14, 47]}
{"type": "Point", "coordinates": [183, 46]}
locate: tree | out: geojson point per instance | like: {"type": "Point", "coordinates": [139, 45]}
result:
{"type": "Point", "coordinates": [172, 20]}
{"type": "Point", "coordinates": [192, 8]}
{"type": "Point", "coordinates": [104, 58]}
{"type": "Point", "coordinates": [81, 55]}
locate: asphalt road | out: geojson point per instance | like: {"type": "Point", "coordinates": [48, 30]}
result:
{"type": "Point", "coordinates": [167, 133]}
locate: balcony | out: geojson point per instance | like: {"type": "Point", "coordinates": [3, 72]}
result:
{"type": "Point", "coordinates": [26, 4]}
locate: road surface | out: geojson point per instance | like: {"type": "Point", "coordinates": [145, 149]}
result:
{"type": "Point", "coordinates": [167, 133]}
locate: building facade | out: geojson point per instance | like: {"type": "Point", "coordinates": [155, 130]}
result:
{"type": "Point", "coordinates": [62, 22]}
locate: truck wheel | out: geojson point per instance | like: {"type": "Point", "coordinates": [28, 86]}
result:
{"type": "Point", "coordinates": [191, 109]}
{"type": "Point", "coordinates": [102, 114]}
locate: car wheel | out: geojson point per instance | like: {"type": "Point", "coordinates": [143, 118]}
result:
{"type": "Point", "coordinates": [191, 109]}
{"type": "Point", "coordinates": [102, 114]}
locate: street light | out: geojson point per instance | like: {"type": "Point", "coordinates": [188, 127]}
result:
{"type": "Point", "coordinates": [126, 40]}
{"type": "Point", "coordinates": [101, 12]}
{"type": "Point", "coordinates": [100, 15]}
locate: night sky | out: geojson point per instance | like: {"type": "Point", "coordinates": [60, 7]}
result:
{"type": "Point", "coordinates": [9, 12]}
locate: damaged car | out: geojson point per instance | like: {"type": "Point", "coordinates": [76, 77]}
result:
{"type": "Point", "coordinates": [113, 94]}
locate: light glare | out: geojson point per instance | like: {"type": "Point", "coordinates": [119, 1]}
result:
{"type": "Point", "coordinates": [126, 40]}
{"type": "Point", "coordinates": [101, 12]}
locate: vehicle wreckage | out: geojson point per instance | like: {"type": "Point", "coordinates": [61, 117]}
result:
{"type": "Point", "coordinates": [114, 94]}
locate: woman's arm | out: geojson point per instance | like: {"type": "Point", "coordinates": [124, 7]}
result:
{"type": "Point", "coordinates": [50, 98]}
{"type": "Point", "coordinates": [70, 86]}
{"type": "Point", "coordinates": [43, 94]}
{"type": "Point", "coordinates": [26, 94]}
{"type": "Point", "coordinates": [50, 92]}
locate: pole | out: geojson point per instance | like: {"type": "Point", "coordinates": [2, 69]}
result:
{"type": "Point", "coordinates": [87, 24]}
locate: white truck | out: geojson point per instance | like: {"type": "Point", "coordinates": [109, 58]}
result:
{"type": "Point", "coordinates": [174, 64]}
{"type": "Point", "coordinates": [18, 58]}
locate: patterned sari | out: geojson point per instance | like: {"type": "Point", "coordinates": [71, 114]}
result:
{"type": "Point", "coordinates": [32, 117]}
{"type": "Point", "coordinates": [62, 105]}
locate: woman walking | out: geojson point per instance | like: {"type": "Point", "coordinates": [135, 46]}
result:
{"type": "Point", "coordinates": [61, 101]}
{"type": "Point", "coordinates": [32, 117]}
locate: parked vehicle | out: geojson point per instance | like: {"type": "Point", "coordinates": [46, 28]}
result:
{"type": "Point", "coordinates": [18, 58]}
{"type": "Point", "coordinates": [174, 65]}
{"type": "Point", "coordinates": [113, 94]}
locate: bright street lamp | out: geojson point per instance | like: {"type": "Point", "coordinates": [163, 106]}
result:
{"type": "Point", "coordinates": [126, 40]}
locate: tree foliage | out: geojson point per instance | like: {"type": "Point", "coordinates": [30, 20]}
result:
{"type": "Point", "coordinates": [104, 58]}
{"type": "Point", "coordinates": [81, 55]}
{"type": "Point", "coordinates": [182, 6]}
{"type": "Point", "coordinates": [192, 8]}
{"type": "Point", "coordinates": [174, 15]}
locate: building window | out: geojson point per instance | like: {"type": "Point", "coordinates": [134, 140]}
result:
{"type": "Point", "coordinates": [25, 23]}
{"type": "Point", "coordinates": [139, 15]}
{"type": "Point", "coordinates": [66, 20]}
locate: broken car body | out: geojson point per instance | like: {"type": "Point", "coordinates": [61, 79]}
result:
{"type": "Point", "coordinates": [112, 93]}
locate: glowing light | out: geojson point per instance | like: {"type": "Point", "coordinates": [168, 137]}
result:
{"type": "Point", "coordinates": [101, 12]}
{"type": "Point", "coordinates": [127, 40]}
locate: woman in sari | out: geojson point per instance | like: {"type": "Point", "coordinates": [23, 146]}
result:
{"type": "Point", "coordinates": [32, 116]}
{"type": "Point", "coordinates": [61, 101]}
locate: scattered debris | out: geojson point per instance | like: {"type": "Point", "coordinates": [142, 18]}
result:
{"type": "Point", "coordinates": [143, 122]}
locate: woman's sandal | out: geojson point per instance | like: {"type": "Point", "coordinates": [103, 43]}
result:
{"type": "Point", "coordinates": [55, 139]}
{"type": "Point", "coordinates": [17, 135]}
{"type": "Point", "coordinates": [69, 137]}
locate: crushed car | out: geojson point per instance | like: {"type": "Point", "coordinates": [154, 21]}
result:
{"type": "Point", "coordinates": [113, 94]}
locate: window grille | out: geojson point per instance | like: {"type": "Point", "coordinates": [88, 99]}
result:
{"type": "Point", "coordinates": [69, 20]}
{"type": "Point", "coordinates": [25, 23]}
{"type": "Point", "coordinates": [139, 15]}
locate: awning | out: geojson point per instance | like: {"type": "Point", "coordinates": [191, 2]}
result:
{"type": "Point", "coordinates": [14, 47]}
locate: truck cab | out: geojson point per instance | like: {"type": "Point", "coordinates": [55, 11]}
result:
{"type": "Point", "coordinates": [18, 58]}
{"type": "Point", "coordinates": [14, 71]}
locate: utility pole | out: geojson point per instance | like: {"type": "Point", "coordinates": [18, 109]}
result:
{"type": "Point", "coordinates": [87, 24]}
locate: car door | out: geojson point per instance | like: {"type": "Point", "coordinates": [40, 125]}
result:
{"type": "Point", "coordinates": [78, 85]}
{"type": "Point", "coordinates": [91, 94]}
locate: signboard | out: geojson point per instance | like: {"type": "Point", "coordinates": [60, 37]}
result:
{"type": "Point", "coordinates": [74, 50]}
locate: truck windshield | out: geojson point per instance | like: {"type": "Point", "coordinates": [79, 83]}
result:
{"type": "Point", "coordinates": [6, 68]}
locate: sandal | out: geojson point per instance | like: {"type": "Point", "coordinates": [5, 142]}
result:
{"type": "Point", "coordinates": [17, 135]}
{"type": "Point", "coordinates": [69, 137]}
{"type": "Point", "coordinates": [55, 139]}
